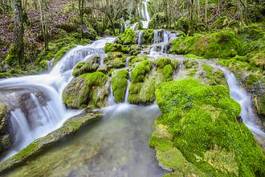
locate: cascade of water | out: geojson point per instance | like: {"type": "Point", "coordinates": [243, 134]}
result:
{"type": "Point", "coordinates": [241, 96]}
{"type": "Point", "coordinates": [128, 81]}
{"type": "Point", "coordinates": [162, 39]}
{"type": "Point", "coordinates": [140, 36]}
{"type": "Point", "coordinates": [33, 118]}
{"type": "Point", "coordinates": [145, 14]}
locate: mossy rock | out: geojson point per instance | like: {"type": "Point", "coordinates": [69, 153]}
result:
{"type": "Point", "coordinates": [148, 36]}
{"type": "Point", "coordinates": [115, 60]}
{"type": "Point", "coordinates": [128, 37]}
{"type": "Point", "coordinates": [91, 65]}
{"type": "Point", "coordinates": [119, 84]}
{"type": "Point", "coordinates": [201, 123]}
{"type": "Point", "coordinates": [140, 70]}
{"type": "Point", "coordinates": [222, 44]}
{"type": "Point", "coordinates": [87, 89]}
{"type": "Point", "coordinates": [260, 105]}
{"type": "Point", "coordinates": [259, 59]}
{"type": "Point", "coordinates": [5, 138]}
{"type": "Point", "coordinates": [212, 76]}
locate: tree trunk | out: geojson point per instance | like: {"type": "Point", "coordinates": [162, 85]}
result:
{"type": "Point", "coordinates": [19, 32]}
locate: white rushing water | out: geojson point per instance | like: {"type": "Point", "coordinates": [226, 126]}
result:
{"type": "Point", "coordinates": [247, 114]}
{"type": "Point", "coordinates": [145, 14]}
{"type": "Point", "coordinates": [31, 117]}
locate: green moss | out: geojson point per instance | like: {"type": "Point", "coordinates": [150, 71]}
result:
{"type": "Point", "coordinates": [87, 89]}
{"type": "Point", "coordinates": [86, 67]}
{"type": "Point", "coordinates": [119, 84]}
{"type": "Point", "coordinates": [140, 71]}
{"type": "Point", "coordinates": [113, 47]}
{"type": "Point", "coordinates": [213, 76]}
{"type": "Point", "coordinates": [258, 59]}
{"type": "Point", "coordinates": [202, 124]}
{"type": "Point", "coordinates": [128, 37]}
{"type": "Point", "coordinates": [222, 44]}
{"type": "Point", "coordinates": [148, 36]}
{"type": "Point", "coordinates": [260, 104]}
{"type": "Point", "coordinates": [168, 72]}
{"type": "Point", "coordinates": [115, 60]}
{"type": "Point", "coordinates": [136, 59]}
{"type": "Point", "coordinates": [162, 62]}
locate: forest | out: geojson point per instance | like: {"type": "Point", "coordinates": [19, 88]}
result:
{"type": "Point", "coordinates": [125, 88]}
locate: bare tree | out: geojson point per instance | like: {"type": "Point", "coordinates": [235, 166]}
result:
{"type": "Point", "coordinates": [19, 32]}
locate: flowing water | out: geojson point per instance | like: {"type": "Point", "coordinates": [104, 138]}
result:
{"type": "Point", "coordinates": [247, 114]}
{"type": "Point", "coordinates": [145, 14]}
{"type": "Point", "coordinates": [36, 101]}
{"type": "Point", "coordinates": [116, 146]}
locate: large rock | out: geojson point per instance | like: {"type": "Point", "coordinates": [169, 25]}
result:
{"type": "Point", "coordinates": [88, 89]}
{"type": "Point", "coordinates": [198, 133]}
{"type": "Point", "coordinates": [5, 140]}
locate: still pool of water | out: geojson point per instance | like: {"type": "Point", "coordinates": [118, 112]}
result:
{"type": "Point", "coordinates": [116, 146]}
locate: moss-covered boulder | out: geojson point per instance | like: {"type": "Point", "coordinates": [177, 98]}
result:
{"type": "Point", "coordinates": [222, 44]}
{"type": "Point", "coordinates": [198, 133]}
{"type": "Point", "coordinates": [87, 89]}
{"type": "Point", "coordinates": [128, 37]}
{"type": "Point", "coordinates": [5, 139]}
{"type": "Point", "coordinates": [119, 84]}
{"type": "Point", "coordinates": [148, 36]}
{"type": "Point", "coordinates": [260, 105]}
{"type": "Point", "coordinates": [91, 65]}
{"type": "Point", "coordinates": [258, 59]}
{"type": "Point", "coordinates": [115, 60]}
{"type": "Point", "coordinates": [212, 76]}
{"type": "Point", "coordinates": [140, 71]}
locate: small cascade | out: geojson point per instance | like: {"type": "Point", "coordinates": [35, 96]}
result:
{"type": "Point", "coordinates": [180, 71]}
{"type": "Point", "coordinates": [241, 96]}
{"type": "Point", "coordinates": [111, 99]}
{"type": "Point", "coordinates": [162, 39]}
{"type": "Point", "coordinates": [140, 37]}
{"type": "Point", "coordinates": [128, 81]}
{"type": "Point", "coordinates": [36, 101]}
{"type": "Point", "coordinates": [145, 15]}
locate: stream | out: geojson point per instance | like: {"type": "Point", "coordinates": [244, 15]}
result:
{"type": "Point", "coordinates": [116, 146]}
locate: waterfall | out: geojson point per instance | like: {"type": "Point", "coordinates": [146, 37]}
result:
{"type": "Point", "coordinates": [34, 116]}
{"type": "Point", "coordinates": [139, 39]}
{"type": "Point", "coordinates": [162, 39]}
{"type": "Point", "coordinates": [145, 14]}
{"type": "Point", "coordinates": [241, 96]}
{"type": "Point", "coordinates": [128, 81]}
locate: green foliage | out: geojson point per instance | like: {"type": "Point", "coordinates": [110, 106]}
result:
{"type": "Point", "coordinates": [158, 21]}
{"type": "Point", "coordinates": [128, 37]}
{"type": "Point", "coordinates": [119, 84]}
{"type": "Point", "coordinates": [140, 71]}
{"type": "Point", "coordinates": [201, 123]}
{"type": "Point", "coordinates": [222, 44]}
